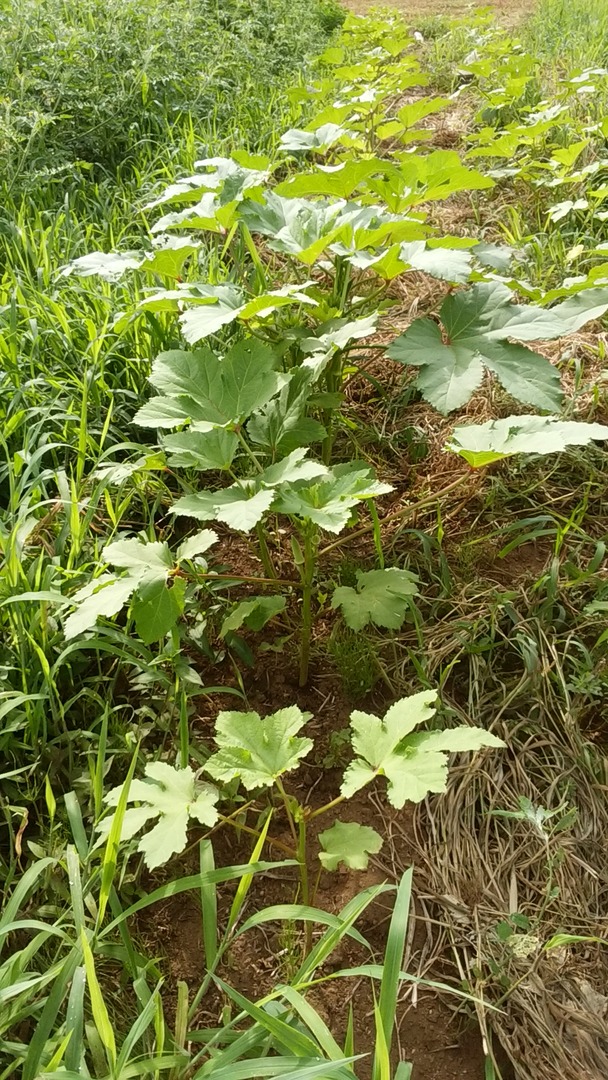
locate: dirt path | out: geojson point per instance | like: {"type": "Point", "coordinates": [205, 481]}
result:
{"type": "Point", "coordinates": [508, 10]}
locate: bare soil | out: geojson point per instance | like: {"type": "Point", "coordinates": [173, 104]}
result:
{"type": "Point", "coordinates": [509, 11]}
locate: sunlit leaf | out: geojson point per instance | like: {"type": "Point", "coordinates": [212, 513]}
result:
{"type": "Point", "coordinates": [171, 795]}
{"type": "Point", "coordinates": [481, 444]}
{"type": "Point", "coordinates": [258, 751]}
{"type": "Point", "coordinates": [348, 843]}
{"type": "Point", "coordinates": [414, 764]}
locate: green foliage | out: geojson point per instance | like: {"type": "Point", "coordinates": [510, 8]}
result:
{"type": "Point", "coordinates": [350, 844]}
{"type": "Point", "coordinates": [478, 326]}
{"type": "Point", "coordinates": [382, 597]}
{"type": "Point", "coordinates": [150, 578]}
{"type": "Point", "coordinates": [481, 444]}
{"type": "Point", "coordinates": [254, 613]}
{"type": "Point", "coordinates": [208, 393]}
{"type": "Point", "coordinates": [171, 795]}
{"type": "Point", "coordinates": [258, 751]}
{"type": "Point", "coordinates": [87, 83]}
{"type": "Point", "coordinates": [112, 270]}
{"type": "Point", "coordinates": [413, 764]}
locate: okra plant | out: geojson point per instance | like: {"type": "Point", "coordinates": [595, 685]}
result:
{"type": "Point", "coordinates": [305, 266]}
{"type": "Point", "coordinates": [258, 753]}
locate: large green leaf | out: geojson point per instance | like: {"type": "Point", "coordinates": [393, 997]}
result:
{"type": "Point", "coordinates": [282, 425]}
{"type": "Point", "coordinates": [444, 263]}
{"type": "Point", "coordinates": [239, 507]}
{"type": "Point", "coordinates": [226, 176]}
{"type": "Point", "coordinates": [243, 504]}
{"type": "Point", "coordinates": [141, 558]}
{"type": "Point", "coordinates": [335, 336]}
{"type": "Point", "coordinates": [169, 255]}
{"type": "Point", "coordinates": [171, 795]}
{"type": "Point", "coordinates": [481, 444]}
{"type": "Point", "coordinates": [201, 321]}
{"type": "Point", "coordinates": [321, 139]}
{"type": "Point", "coordinates": [110, 266]}
{"type": "Point", "coordinates": [420, 178]}
{"type": "Point", "coordinates": [330, 502]}
{"type": "Point", "coordinates": [196, 545]}
{"type": "Point", "coordinates": [208, 215]}
{"type": "Point", "coordinates": [258, 751]}
{"type": "Point", "coordinates": [104, 596]}
{"type": "Point", "coordinates": [338, 181]}
{"type": "Point", "coordinates": [201, 450]}
{"type": "Point", "coordinates": [199, 387]}
{"type": "Point", "coordinates": [294, 226]}
{"type": "Point", "coordinates": [381, 597]}
{"type": "Point", "coordinates": [348, 843]}
{"type": "Point", "coordinates": [156, 607]}
{"type": "Point", "coordinates": [477, 324]}
{"type": "Point", "coordinates": [413, 764]}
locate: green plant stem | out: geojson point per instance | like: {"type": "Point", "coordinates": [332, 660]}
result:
{"type": "Point", "coordinates": [292, 826]}
{"type": "Point", "coordinates": [307, 572]}
{"type": "Point", "coordinates": [304, 883]}
{"type": "Point", "coordinates": [406, 511]}
{"type": "Point", "coordinates": [250, 454]}
{"type": "Point", "coordinates": [265, 555]}
{"type": "Point", "coordinates": [255, 257]}
{"type": "Point", "coordinates": [373, 513]}
{"type": "Point", "coordinates": [323, 809]}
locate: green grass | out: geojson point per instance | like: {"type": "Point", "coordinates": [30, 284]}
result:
{"type": "Point", "coordinates": [568, 34]}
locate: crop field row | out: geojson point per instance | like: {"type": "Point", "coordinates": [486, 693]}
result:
{"type": "Point", "coordinates": [303, 587]}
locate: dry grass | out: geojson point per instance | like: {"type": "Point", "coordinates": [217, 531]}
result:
{"type": "Point", "coordinates": [552, 1012]}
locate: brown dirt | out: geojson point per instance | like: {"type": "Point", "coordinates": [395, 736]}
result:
{"type": "Point", "coordinates": [509, 10]}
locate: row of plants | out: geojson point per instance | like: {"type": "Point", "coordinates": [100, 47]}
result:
{"type": "Point", "coordinates": [262, 291]}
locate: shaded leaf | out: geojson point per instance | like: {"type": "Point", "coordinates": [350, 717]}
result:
{"type": "Point", "coordinates": [477, 324]}
{"type": "Point", "coordinates": [156, 607]}
{"type": "Point", "coordinates": [381, 597]}
{"type": "Point", "coordinates": [254, 613]}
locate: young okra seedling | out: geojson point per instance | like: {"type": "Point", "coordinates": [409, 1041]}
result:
{"type": "Point", "coordinates": [259, 753]}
